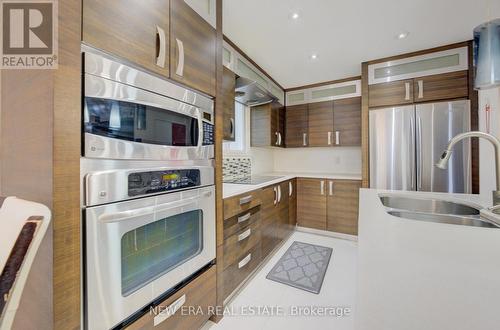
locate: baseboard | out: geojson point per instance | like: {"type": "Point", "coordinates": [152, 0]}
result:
{"type": "Point", "coordinates": [327, 233]}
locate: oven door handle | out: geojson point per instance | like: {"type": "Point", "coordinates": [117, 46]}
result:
{"type": "Point", "coordinates": [177, 204]}
{"type": "Point", "coordinates": [126, 215]}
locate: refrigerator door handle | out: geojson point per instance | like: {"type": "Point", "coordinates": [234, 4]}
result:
{"type": "Point", "coordinates": [411, 147]}
{"type": "Point", "coordinates": [420, 161]}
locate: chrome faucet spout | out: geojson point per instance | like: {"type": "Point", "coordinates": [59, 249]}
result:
{"type": "Point", "coordinates": [496, 144]}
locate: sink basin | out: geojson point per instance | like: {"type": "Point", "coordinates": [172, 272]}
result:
{"type": "Point", "coordinates": [433, 206]}
{"type": "Point", "coordinates": [444, 218]}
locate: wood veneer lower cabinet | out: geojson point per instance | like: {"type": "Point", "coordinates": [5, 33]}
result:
{"type": "Point", "coordinates": [343, 206]}
{"type": "Point", "coordinates": [270, 219]}
{"type": "Point", "coordinates": [292, 204]}
{"type": "Point", "coordinates": [328, 204]}
{"type": "Point", "coordinates": [311, 203]}
{"type": "Point", "coordinates": [199, 293]}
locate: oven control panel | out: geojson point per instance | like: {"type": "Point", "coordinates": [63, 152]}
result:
{"type": "Point", "coordinates": [208, 134]}
{"type": "Point", "coordinates": [143, 183]}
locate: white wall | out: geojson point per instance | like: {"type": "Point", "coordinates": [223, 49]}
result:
{"type": "Point", "coordinates": [486, 152]}
{"type": "Point", "coordinates": [318, 160]}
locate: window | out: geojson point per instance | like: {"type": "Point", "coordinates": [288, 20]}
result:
{"type": "Point", "coordinates": [239, 145]}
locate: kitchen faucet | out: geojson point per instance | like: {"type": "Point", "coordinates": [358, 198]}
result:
{"type": "Point", "coordinates": [496, 143]}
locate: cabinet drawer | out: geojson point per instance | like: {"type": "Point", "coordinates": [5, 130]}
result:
{"type": "Point", "coordinates": [241, 221]}
{"type": "Point", "coordinates": [237, 246]}
{"type": "Point", "coordinates": [237, 272]}
{"type": "Point", "coordinates": [241, 203]}
{"type": "Point", "coordinates": [391, 93]}
{"type": "Point", "coordinates": [199, 293]}
{"type": "Point", "coordinates": [442, 86]}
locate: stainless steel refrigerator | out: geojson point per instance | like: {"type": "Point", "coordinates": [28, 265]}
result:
{"type": "Point", "coordinates": [406, 142]}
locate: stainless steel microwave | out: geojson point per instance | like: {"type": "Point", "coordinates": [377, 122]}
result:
{"type": "Point", "coordinates": [131, 114]}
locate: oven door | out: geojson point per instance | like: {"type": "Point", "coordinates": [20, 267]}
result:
{"type": "Point", "coordinates": [124, 122]}
{"type": "Point", "coordinates": [138, 250]}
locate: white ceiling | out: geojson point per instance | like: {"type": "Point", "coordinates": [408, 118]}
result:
{"type": "Point", "coordinates": [344, 33]}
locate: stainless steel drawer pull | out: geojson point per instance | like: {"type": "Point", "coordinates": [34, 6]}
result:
{"type": "Point", "coordinates": [329, 138]}
{"type": "Point", "coordinates": [245, 200]}
{"type": "Point", "coordinates": [290, 188]}
{"type": "Point", "coordinates": [420, 89]}
{"type": "Point", "coordinates": [407, 91]}
{"type": "Point", "coordinates": [244, 218]}
{"type": "Point", "coordinates": [337, 137]}
{"type": "Point", "coordinates": [169, 311]}
{"type": "Point", "coordinates": [304, 139]}
{"type": "Point", "coordinates": [180, 63]}
{"type": "Point", "coordinates": [330, 186]}
{"type": "Point", "coordinates": [245, 261]}
{"type": "Point", "coordinates": [322, 187]}
{"type": "Point", "coordinates": [160, 59]}
{"type": "Point", "coordinates": [244, 234]}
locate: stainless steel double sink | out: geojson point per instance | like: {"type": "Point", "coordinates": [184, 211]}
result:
{"type": "Point", "coordinates": [435, 210]}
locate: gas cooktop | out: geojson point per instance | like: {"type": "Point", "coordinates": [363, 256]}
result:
{"type": "Point", "coordinates": [253, 180]}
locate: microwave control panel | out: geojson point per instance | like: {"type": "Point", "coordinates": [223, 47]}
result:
{"type": "Point", "coordinates": [143, 183]}
{"type": "Point", "coordinates": [208, 134]}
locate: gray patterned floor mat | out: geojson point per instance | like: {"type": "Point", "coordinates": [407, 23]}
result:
{"type": "Point", "coordinates": [303, 266]}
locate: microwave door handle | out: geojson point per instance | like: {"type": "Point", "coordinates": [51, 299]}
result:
{"type": "Point", "coordinates": [200, 128]}
{"type": "Point", "coordinates": [126, 215]}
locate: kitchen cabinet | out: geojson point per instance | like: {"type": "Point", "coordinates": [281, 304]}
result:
{"type": "Point", "coordinates": [296, 126]}
{"type": "Point", "coordinates": [320, 124]}
{"type": "Point", "coordinates": [328, 204]}
{"type": "Point", "coordinates": [391, 93]}
{"type": "Point", "coordinates": [334, 91]}
{"type": "Point", "coordinates": [311, 203]}
{"type": "Point", "coordinates": [198, 295]}
{"type": "Point", "coordinates": [347, 122]}
{"type": "Point", "coordinates": [228, 85]}
{"type": "Point", "coordinates": [192, 48]}
{"type": "Point", "coordinates": [283, 229]}
{"type": "Point", "coordinates": [342, 206]}
{"type": "Point", "coordinates": [267, 123]}
{"type": "Point", "coordinates": [270, 219]}
{"type": "Point", "coordinates": [137, 31]}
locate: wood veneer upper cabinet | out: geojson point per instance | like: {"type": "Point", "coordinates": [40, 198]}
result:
{"type": "Point", "coordinates": [311, 203]}
{"type": "Point", "coordinates": [192, 48]}
{"type": "Point", "coordinates": [342, 206]}
{"type": "Point", "coordinates": [441, 86]}
{"type": "Point", "coordinates": [320, 124]}
{"type": "Point", "coordinates": [228, 84]}
{"type": "Point", "coordinates": [136, 30]}
{"type": "Point", "coordinates": [347, 121]}
{"type": "Point", "coordinates": [296, 126]}
{"type": "Point", "coordinates": [266, 125]}
{"type": "Point", "coordinates": [391, 93]}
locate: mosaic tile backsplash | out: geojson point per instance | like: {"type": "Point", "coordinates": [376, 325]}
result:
{"type": "Point", "coordinates": [236, 168]}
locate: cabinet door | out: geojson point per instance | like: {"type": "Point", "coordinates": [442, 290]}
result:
{"type": "Point", "coordinates": [292, 204]}
{"type": "Point", "coordinates": [347, 121]}
{"type": "Point", "coordinates": [192, 48]}
{"type": "Point", "coordinates": [391, 93]}
{"type": "Point", "coordinates": [320, 124]}
{"type": "Point", "coordinates": [137, 31]}
{"type": "Point", "coordinates": [296, 126]}
{"type": "Point", "coordinates": [442, 86]}
{"type": "Point", "coordinates": [343, 201]}
{"type": "Point", "coordinates": [311, 203]}
{"type": "Point", "coordinates": [283, 207]}
{"type": "Point", "coordinates": [228, 84]}
{"type": "Point", "coordinates": [269, 220]}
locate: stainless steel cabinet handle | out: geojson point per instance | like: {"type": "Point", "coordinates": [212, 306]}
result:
{"type": "Point", "coordinates": [290, 189]}
{"type": "Point", "coordinates": [245, 261]}
{"type": "Point", "coordinates": [330, 188]}
{"type": "Point", "coordinates": [407, 91]}
{"type": "Point", "coordinates": [245, 200]}
{"type": "Point", "coordinates": [169, 311]}
{"type": "Point", "coordinates": [322, 185]}
{"type": "Point", "coordinates": [275, 196]}
{"type": "Point", "coordinates": [279, 194]}
{"type": "Point", "coordinates": [244, 234]}
{"type": "Point", "coordinates": [277, 139]}
{"type": "Point", "coordinates": [231, 121]}
{"type": "Point", "coordinates": [304, 139]}
{"type": "Point", "coordinates": [160, 59]}
{"type": "Point", "coordinates": [329, 138]}
{"type": "Point", "coordinates": [280, 138]}
{"type": "Point", "coordinates": [420, 89]}
{"type": "Point", "coordinates": [180, 62]}
{"type": "Point", "coordinates": [337, 137]}
{"type": "Point", "coordinates": [245, 217]}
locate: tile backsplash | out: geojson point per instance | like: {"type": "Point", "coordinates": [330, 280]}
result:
{"type": "Point", "coordinates": [236, 168]}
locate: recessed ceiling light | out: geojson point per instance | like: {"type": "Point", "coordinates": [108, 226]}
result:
{"type": "Point", "coordinates": [314, 56]}
{"type": "Point", "coordinates": [294, 15]}
{"type": "Point", "coordinates": [402, 35]}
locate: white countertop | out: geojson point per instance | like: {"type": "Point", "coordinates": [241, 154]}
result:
{"type": "Point", "coordinates": [231, 189]}
{"type": "Point", "coordinates": [417, 275]}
